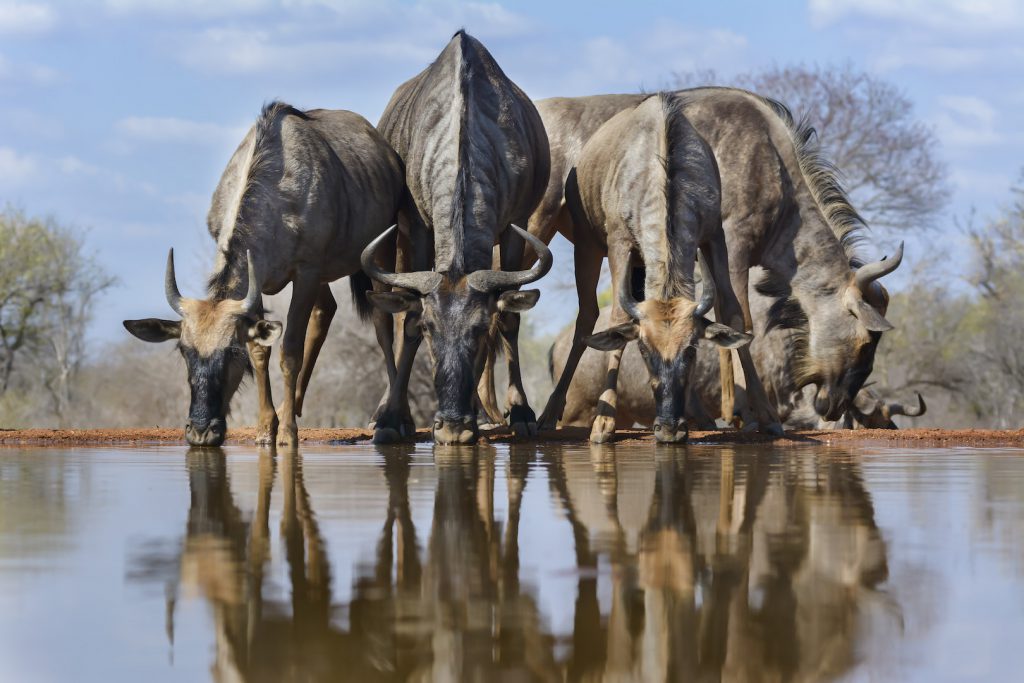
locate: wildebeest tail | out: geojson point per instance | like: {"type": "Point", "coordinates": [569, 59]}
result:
{"type": "Point", "coordinates": [361, 283]}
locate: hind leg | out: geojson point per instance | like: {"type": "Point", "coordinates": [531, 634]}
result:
{"type": "Point", "coordinates": [316, 332]}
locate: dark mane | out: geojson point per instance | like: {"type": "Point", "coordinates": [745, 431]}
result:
{"type": "Point", "coordinates": [458, 210]}
{"type": "Point", "coordinates": [677, 132]}
{"type": "Point", "coordinates": [265, 168]}
{"type": "Point", "coordinates": [824, 180]}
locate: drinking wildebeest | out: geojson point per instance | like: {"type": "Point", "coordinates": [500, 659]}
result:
{"type": "Point", "coordinates": [774, 355]}
{"type": "Point", "coordinates": [868, 411]}
{"type": "Point", "coordinates": [782, 208]}
{"type": "Point", "coordinates": [476, 162]}
{"type": "Point", "coordinates": [646, 185]}
{"type": "Point", "coordinates": [300, 198]}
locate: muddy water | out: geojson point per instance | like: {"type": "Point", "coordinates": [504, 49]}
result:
{"type": "Point", "coordinates": [529, 563]}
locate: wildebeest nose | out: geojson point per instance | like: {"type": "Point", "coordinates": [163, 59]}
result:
{"type": "Point", "coordinates": [670, 432]}
{"type": "Point", "coordinates": [461, 430]}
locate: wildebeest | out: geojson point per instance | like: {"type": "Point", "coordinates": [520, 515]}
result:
{"type": "Point", "coordinates": [868, 411]}
{"type": "Point", "coordinates": [782, 208]}
{"type": "Point", "coordinates": [300, 198]}
{"type": "Point", "coordinates": [646, 185]}
{"type": "Point", "coordinates": [773, 354]}
{"type": "Point", "coordinates": [476, 162]}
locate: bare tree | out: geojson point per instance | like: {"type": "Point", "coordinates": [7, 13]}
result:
{"type": "Point", "coordinates": [867, 129]}
{"type": "Point", "coordinates": [48, 286]}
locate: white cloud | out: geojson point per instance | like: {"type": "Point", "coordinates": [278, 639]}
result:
{"type": "Point", "coordinates": [203, 9]}
{"type": "Point", "coordinates": [168, 129]}
{"type": "Point", "coordinates": [72, 165]}
{"type": "Point", "coordinates": [959, 15]}
{"type": "Point", "coordinates": [628, 63]}
{"type": "Point", "coordinates": [26, 73]}
{"type": "Point", "coordinates": [20, 18]}
{"type": "Point", "coordinates": [16, 168]}
{"type": "Point", "coordinates": [966, 121]}
{"type": "Point", "coordinates": [320, 35]}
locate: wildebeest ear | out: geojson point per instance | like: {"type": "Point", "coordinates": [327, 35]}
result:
{"type": "Point", "coordinates": [154, 329]}
{"type": "Point", "coordinates": [869, 316]}
{"type": "Point", "coordinates": [725, 336]}
{"type": "Point", "coordinates": [396, 302]}
{"type": "Point", "coordinates": [265, 332]}
{"type": "Point", "coordinates": [614, 337]}
{"type": "Point", "coordinates": [514, 301]}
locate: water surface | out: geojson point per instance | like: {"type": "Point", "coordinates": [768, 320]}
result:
{"type": "Point", "coordinates": [517, 563]}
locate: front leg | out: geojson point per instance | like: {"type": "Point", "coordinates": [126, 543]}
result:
{"type": "Point", "coordinates": [266, 426]}
{"type": "Point", "coordinates": [603, 429]}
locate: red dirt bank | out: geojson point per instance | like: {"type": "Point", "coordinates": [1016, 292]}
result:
{"type": "Point", "coordinates": [246, 435]}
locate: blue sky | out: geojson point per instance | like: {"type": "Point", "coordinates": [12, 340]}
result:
{"type": "Point", "coordinates": [118, 116]}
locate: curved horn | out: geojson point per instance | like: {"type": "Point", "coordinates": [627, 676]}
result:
{"type": "Point", "coordinates": [252, 295]}
{"type": "Point", "coordinates": [707, 297]}
{"type": "Point", "coordinates": [626, 300]}
{"type": "Point", "coordinates": [171, 285]}
{"type": "Point", "coordinates": [421, 282]}
{"type": "Point", "coordinates": [495, 280]}
{"type": "Point", "coordinates": [870, 272]}
{"type": "Point", "coordinates": [898, 409]}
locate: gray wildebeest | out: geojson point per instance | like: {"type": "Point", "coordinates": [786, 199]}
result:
{"type": "Point", "coordinates": [783, 209]}
{"type": "Point", "coordinates": [774, 356]}
{"type": "Point", "coordinates": [476, 162]}
{"type": "Point", "coordinates": [300, 199]}
{"type": "Point", "coordinates": [646, 185]}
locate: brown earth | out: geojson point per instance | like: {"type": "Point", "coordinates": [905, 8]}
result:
{"type": "Point", "coordinates": [246, 435]}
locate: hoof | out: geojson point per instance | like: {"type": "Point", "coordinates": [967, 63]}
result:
{"type": "Point", "coordinates": [774, 428]}
{"type": "Point", "coordinates": [385, 435]}
{"type": "Point", "coordinates": [524, 430]}
{"type": "Point", "coordinates": [523, 421]}
{"type": "Point", "coordinates": [603, 430]}
{"type": "Point", "coordinates": [288, 436]}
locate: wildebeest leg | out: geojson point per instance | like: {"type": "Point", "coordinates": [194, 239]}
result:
{"type": "Point", "coordinates": [384, 328]}
{"type": "Point", "coordinates": [587, 257]}
{"type": "Point", "coordinates": [551, 217]}
{"type": "Point", "coordinates": [394, 422]}
{"type": "Point", "coordinates": [266, 426]}
{"type": "Point", "coordinates": [521, 417]}
{"type": "Point", "coordinates": [319, 322]}
{"type": "Point", "coordinates": [304, 295]}
{"type": "Point", "coordinates": [487, 401]}
{"type": "Point", "coordinates": [603, 428]}
{"type": "Point", "coordinates": [730, 310]}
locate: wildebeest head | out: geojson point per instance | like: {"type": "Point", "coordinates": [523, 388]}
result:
{"type": "Point", "coordinates": [455, 315]}
{"type": "Point", "coordinates": [212, 336]}
{"type": "Point", "coordinates": [667, 332]}
{"type": "Point", "coordinates": [842, 339]}
{"type": "Point", "coordinates": [872, 412]}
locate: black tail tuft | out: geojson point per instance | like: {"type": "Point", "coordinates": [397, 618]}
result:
{"type": "Point", "coordinates": [361, 283]}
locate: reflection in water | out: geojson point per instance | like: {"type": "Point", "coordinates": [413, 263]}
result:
{"type": "Point", "coordinates": [723, 565]}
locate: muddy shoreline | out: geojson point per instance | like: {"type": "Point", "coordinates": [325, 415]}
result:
{"type": "Point", "coordinates": [246, 435]}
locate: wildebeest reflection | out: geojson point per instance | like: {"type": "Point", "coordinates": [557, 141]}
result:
{"type": "Point", "coordinates": [745, 566]}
